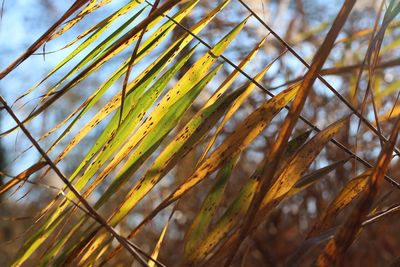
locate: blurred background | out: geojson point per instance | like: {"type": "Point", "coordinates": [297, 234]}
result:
{"type": "Point", "coordinates": [303, 24]}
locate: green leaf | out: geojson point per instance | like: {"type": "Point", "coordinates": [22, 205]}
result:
{"type": "Point", "coordinates": [197, 229]}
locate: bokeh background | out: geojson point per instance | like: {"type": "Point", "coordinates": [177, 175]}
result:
{"type": "Point", "coordinates": [301, 23]}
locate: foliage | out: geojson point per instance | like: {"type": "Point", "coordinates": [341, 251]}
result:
{"type": "Point", "coordinates": [171, 96]}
